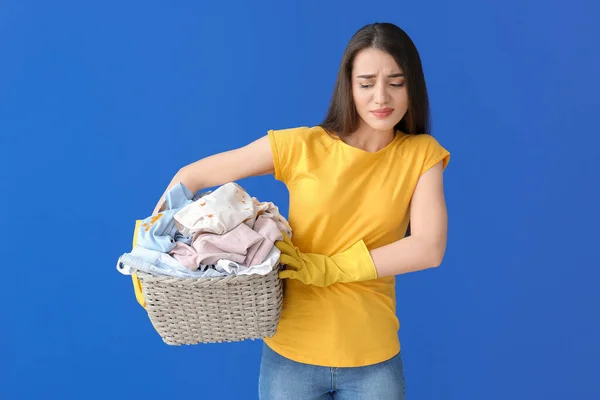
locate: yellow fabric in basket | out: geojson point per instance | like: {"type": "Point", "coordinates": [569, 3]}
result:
{"type": "Point", "coordinates": [137, 285]}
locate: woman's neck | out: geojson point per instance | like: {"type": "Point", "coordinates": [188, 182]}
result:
{"type": "Point", "coordinates": [369, 139]}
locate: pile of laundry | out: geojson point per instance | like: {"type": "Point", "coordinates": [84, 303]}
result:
{"type": "Point", "coordinates": [211, 234]}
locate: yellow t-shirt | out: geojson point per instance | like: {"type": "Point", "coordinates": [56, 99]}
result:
{"type": "Point", "coordinates": [340, 194]}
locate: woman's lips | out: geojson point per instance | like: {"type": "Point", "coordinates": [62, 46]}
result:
{"type": "Point", "coordinates": [382, 112]}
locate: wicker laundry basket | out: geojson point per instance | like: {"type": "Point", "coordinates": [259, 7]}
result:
{"type": "Point", "coordinates": [213, 310]}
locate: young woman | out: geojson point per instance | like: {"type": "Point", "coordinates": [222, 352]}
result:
{"type": "Point", "coordinates": [355, 182]}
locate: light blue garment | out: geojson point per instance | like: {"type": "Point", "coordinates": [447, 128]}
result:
{"type": "Point", "coordinates": [282, 378]}
{"type": "Point", "coordinates": [156, 239]}
{"type": "Point", "coordinates": [162, 234]}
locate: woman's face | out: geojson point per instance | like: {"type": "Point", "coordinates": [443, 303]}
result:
{"type": "Point", "coordinates": [379, 89]}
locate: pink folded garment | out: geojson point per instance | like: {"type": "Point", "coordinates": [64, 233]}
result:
{"type": "Point", "coordinates": [237, 245]}
{"type": "Point", "coordinates": [229, 225]}
{"type": "Point", "coordinates": [267, 228]}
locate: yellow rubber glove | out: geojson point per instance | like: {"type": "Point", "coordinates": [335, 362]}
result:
{"type": "Point", "coordinates": [352, 265]}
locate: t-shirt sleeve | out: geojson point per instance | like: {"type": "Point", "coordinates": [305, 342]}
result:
{"type": "Point", "coordinates": [432, 153]}
{"type": "Point", "coordinates": [287, 148]}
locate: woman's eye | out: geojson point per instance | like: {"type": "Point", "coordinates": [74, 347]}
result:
{"type": "Point", "coordinates": [396, 85]}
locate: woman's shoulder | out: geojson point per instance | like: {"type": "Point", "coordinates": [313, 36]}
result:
{"type": "Point", "coordinates": [418, 142]}
{"type": "Point", "coordinates": [301, 134]}
{"type": "Point", "coordinates": [420, 139]}
{"type": "Point", "coordinates": [304, 130]}
{"type": "Point", "coordinates": [423, 148]}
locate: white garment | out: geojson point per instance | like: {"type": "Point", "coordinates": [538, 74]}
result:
{"type": "Point", "coordinates": [267, 266]}
{"type": "Point", "coordinates": [222, 210]}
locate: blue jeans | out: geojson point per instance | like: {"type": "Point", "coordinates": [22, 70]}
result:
{"type": "Point", "coordinates": [284, 379]}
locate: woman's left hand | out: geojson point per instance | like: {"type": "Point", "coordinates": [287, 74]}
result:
{"type": "Point", "coordinates": [352, 265]}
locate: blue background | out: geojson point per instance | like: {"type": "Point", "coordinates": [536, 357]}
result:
{"type": "Point", "coordinates": [102, 102]}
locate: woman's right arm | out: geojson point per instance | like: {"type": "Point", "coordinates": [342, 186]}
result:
{"type": "Point", "coordinates": [254, 159]}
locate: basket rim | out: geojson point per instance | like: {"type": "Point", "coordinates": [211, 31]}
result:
{"type": "Point", "coordinates": [142, 275]}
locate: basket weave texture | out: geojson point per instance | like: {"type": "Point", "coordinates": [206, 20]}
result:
{"type": "Point", "coordinates": [213, 310]}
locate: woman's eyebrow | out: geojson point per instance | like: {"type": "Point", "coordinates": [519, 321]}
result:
{"type": "Point", "coordinates": [370, 76]}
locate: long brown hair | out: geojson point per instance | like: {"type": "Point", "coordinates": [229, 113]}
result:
{"type": "Point", "coordinates": [342, 117]}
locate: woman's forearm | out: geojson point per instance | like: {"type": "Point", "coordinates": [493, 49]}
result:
{"type": "Point", "coordinates": [410, 254]}
{"type": "Point", "coordinates": [251, 160]}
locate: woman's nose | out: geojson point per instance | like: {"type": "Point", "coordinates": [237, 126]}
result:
{"type": "Point", "coordinates": [381, 94]}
